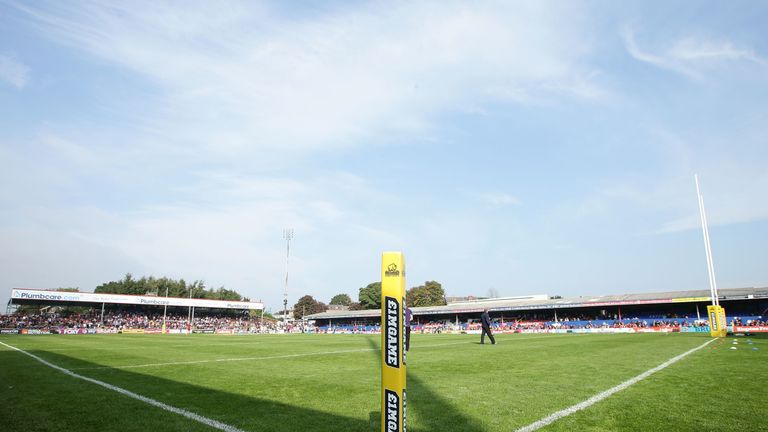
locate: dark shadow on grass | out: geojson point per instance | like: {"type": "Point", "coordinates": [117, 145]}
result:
{"type": "Point", "coordinates": [435, 413]}
{"type": "Point", "coordinates": [241, 411]}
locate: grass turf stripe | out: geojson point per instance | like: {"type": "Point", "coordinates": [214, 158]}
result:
{"type": "Point", "coordinates": [284, 356]}
{"type": "Point", "coordinates": [188, 414]}
{"type": "Point", "coordinates": [600, 396]}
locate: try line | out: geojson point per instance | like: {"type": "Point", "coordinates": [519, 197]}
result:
{"type": "Point", "coordinates": [188, 414]}
{"type": "Point", "coordinates": [600, 396]}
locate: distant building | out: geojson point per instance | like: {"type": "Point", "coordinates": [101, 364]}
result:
{"type": "Point", "coordinates": [460, 299]}
{"type": "Point", "coordinates": [475, 299]}
{"type": "Point", "coordinates": [279, 315]}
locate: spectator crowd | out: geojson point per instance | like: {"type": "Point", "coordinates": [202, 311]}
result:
{"type": "Point", "coordinates": [113, 322]}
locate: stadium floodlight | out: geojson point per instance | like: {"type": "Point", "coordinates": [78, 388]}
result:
{"type": "Point", "coordinates": [287, 235]}
{"type": "Point", "coordinates": [165, 307]}
{"type": "Point", "coordinates": [189, 312]}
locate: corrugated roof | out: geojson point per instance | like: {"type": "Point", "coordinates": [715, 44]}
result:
{"type": "Point", "coordinates": [569, 302]}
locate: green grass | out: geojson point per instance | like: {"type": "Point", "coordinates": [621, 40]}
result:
{"type": "Point", "coordinates": [454, 384]}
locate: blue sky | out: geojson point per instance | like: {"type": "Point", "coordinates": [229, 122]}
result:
{"type": "Point", "coordinates": [521, 147]}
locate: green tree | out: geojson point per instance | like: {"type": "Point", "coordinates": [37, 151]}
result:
{"type": "Point", "coordinates": [225, 294]}
{"type": "Point", "coordinates": [70, 310]}
{"type": "Point", "coordinates": [429, 294]}
{"type": "Point", "coordinates": [197, 289]}
{"type": "Point", "coordinates": [370, 296]}
{"type": "Point", "coordinates": [258, 313]}
{"type": "Point", "coordinates": [159, 286]}
{"type": "Point", "coordinates": [341, 299]}
{"type": "Point", "coordinates": [307, 305]}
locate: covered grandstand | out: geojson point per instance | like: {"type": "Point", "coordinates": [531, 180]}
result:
{"type": "Point", "coordinates": [683, 308]}
{"type": "Point", "coordinates": [65, 312]}
{"type": "Point", "coordinates": [38, 297]}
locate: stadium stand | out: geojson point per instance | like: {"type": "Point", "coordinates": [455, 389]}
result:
{"type": "Point", "coordinates": [136, 322]}
{"type": "Point", "coordinates": [683, 311]}
{"type": "Point", "coordinates": [660, 311]}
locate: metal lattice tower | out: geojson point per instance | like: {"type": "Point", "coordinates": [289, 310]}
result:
{"type": "Point", "coordinates": [288, 236]}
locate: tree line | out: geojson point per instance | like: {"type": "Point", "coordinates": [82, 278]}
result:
{"type": "Point", "coordinates": [431, 293]}
{"type": "Point", "coordinates": [175, 288]}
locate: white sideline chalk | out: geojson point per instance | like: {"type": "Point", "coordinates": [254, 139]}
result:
{"type": "Point", "coordinates": [600, 396]}
{"type": "Point", "coordinates": [188, 414]}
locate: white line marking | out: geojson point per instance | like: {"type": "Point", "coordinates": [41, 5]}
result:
{"type": "Point", "coordinates": [81, 349]}
{"type": "Point", "coordinates": [600, 396]}
{"type": "Point", "coordinates": [273, 357]}
{"type": "Point", "coordinates": [253, 358]}
{"type": "Point", "coordinates": [224, 360]}
{"type": "Point", "coordinates": [192, 343]}
{"type": "Point", "coordinates": [188, 414]}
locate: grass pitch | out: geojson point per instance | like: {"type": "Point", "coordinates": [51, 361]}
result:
{"type": "Point", "coordinates": [332, 382]}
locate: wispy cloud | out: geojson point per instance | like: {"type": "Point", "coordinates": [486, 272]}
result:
{"type": "Point", "coordinates": [693, 49]}
{"type": "Point", "coordinates": [733, 195]}
{"type": "Point", "coordinates": [245, 77]}
{"type": "Point", "coordinates": [691, 56]}
{"type": "Point", "coordinates": [13, 72]}
{"type": "Point", "coordinates": [498, 199]}
{"type": "Point", "coordinates": [68, 150]}
{"type": "Point", "coordinates": [180, 138]}
{"type": "Point", "coordinates": [221, 227]}
{"type": "Point", "coordinates": [663, 200]}
{"type": "Point", "coordinates": [491, 198]}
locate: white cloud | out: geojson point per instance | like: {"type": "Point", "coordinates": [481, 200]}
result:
{"type": "Point", "coordinates": [13, 72]}
{"type": "Point", "coordinates": [691, 56]}
{"type": "Point", "coordinates": [667, 203]}
{"type": "Point", "coordinates": [663, 200]}
{"type": "Point", "coordinates": [68, 150]}
{"type": "Point", "coordinates": [499, 199]}
{"type": "Point", "coordinates": [692, 49]}
{"type": "Point", "coordinates": [734, 194]}
{"type": "Point", "coordinates": [244, 77]}
{"type": "Point", "coordinates": [491, 198]}
{"type": "Point", "coordinates": [41, 257]}
{"type": "Point", "coordinates": [224, 229]}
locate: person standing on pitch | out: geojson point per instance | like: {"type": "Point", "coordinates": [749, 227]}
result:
{"type": "Point", "coordinates": [408, 329]}
{"type": "Point", "coordinates": [486, 321]}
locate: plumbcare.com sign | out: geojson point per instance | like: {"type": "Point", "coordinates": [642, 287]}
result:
{"type": "Point", "coordinates": [45, 296]}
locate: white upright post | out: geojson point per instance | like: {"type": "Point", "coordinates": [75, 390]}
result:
{"type": "Point", "coordinates": [707, 245]}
